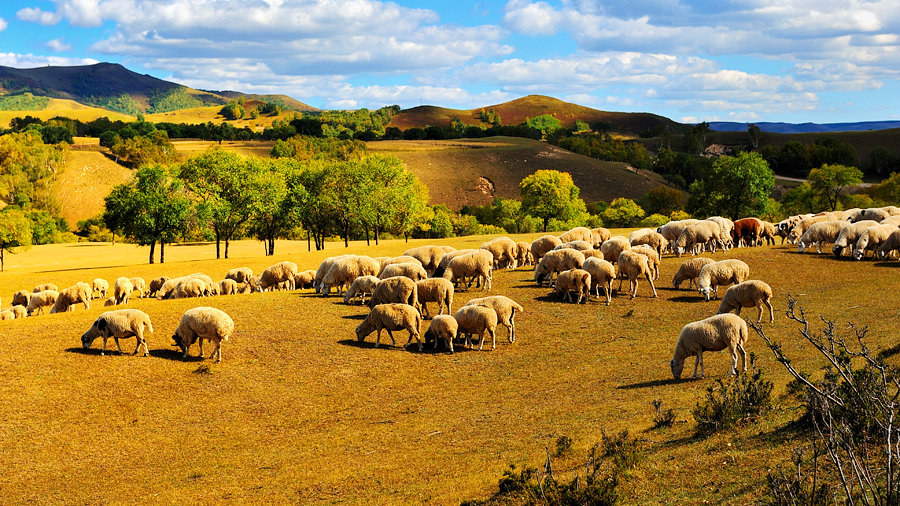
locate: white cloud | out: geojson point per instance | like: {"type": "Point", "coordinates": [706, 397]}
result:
{"type": "Point", "coordinates": [59, 45]}
{"type": "Point", "coordinates": [24, 61]}
{"type": "Point", "coordinates": [35, 15]}
{"type": "Point", "coordinates": [2, 24]}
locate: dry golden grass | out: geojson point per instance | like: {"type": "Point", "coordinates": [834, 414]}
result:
{"type": "Point", "coordinates": [198, 115]}
{"type": "Point", "coordinates": [88, 177]}
{"type": "Point", "coordinates": [66, 109]}
{"type": "Point", "coordinates": [189, 148]}
{"type": "Point", "coordinates": [299, 411]}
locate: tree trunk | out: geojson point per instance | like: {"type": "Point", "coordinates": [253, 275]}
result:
{"type": "Point", "coordinates": [2, 266]}
{"type": "Point", "coordinates": [226, 247]}
{"type": "Point", "coordinates": [152, 250]}
{"type": "Point", "coordinates": [162, 252]}
{"type": "Point", "coordinates": [218, 241]}
{"type": "Point", "coordinates": [271, 246]}
{"type": "Point", "coordinates": [546, 220]}
{"type": "Point", "coordinates": [308, 242]}
{"type": "Point", "coordinates": [367, 235]}
{"type": "Point", "coordinates": [376, 235]}
{"type": "Point", "coordinates": [346, 234]}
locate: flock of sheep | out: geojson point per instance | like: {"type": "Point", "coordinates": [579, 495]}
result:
{"type": "Point", "coordinates": [576, 263]}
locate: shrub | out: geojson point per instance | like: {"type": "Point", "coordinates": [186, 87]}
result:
{"type": "Point", "coordinates": [740, 399]}
{"type": "Point", "coordinates": [662, 418]}
{"type": "Point", "coordinates": [654, 221]}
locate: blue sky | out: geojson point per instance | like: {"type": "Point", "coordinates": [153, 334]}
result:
{"type": "Point", "coordinates": [724, 60]}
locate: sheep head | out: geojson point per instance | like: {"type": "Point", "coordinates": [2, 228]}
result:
{"type": "Point", "coordinates": [677, 367]}
{"type": "Point", "coordinates": [92, 333]}
{"type": "Point", "coordinates": [705, 291]}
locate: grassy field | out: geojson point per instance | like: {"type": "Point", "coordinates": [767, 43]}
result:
{"type": "Point", "coordinates": [88, 177]}
{"type": "Point", "coordinates": [299, 411]}
{"type": "Point", "coordinates": [198, 115]}
{"type": "Point", "coordinates": [66, 109]}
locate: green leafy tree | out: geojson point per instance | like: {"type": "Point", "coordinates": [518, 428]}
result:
{"type": "Point", "coordinates": [888, 191]}
{"type": "Point", "coordinates": [313, 211]}
{"type": "Point", "coordinates": [548, 194]}
{"type": "Point", "coordinates": [278, 214]}
{"type": "Point", "coordinates": [622, 212]}
{"type": "Point", "coordinates": [398, 198]}
{"type": "Point", "coordinates": [754, 133]}
{"type": "Point", "coordinates": [232, 111]}
{"type": "Point", "coordinates": [738, 186]}
{"type": "Point", "coordinates": [15, 233]}
{"type": "Point", "coordinates": [801, 199]}
{"type": "Point", "coordinates": [663, 200]}
{"type": "Point", "coordinates": [828, 181]}
{"type": "Point", "coordinates": [546, 123]}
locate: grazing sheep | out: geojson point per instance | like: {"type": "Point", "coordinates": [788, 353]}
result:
{"type": "Point", "coordinates": [391, 317]}
{"type": "Point", "coordinates": [671, 230]}
{"type": "Point", "coordinates": [14, 313]}
{"type": "Point", "coordinates": [576, 245]}
{"type": "Point", "coordinates": [820, 233]}
{"type": "Point", "coordinates": [750, 293]}
{"type": "Point", "coordinates": [344, 271]}
{"type": "Point", "coordinates": [633, 265]}
{"type": "Point", "coordinates": [690, 271]}
{"type": "Point", "coordinates": [447, 249]}
{"type": "Point", "coordinates": [723, 272]}
{"type": "Point", "coordinates": [599, 235]}
{"type": "Point", "coordinates": [475, 320]}
{"type": "Point", "coordinates": [612, 247]}
{"type": "Point", "coordinates": [188, 288]}
{"type": "Point", "coordinates": [443, 326]}
{"type": "Point", "coordinates": [139, 285]}
{"type": "Point", "coordinates": [119, 324]}
{"type": "Point", "coordinates": [893, 220]}
{"type": "Point", "coordinates": [577, 234]}
{"type": "Point", "coordinates": [437, 290]}
{"type": "Point", "coordinates": [602, 273]}
{"type": "Point", "coordinates": [168, 289]}
{"type": "Point", "coordinates": [746, 232]}
{"type": "Point", "coordinates": [523, 254]}
{"type": "Point", "coordinates": [573, 280]}
{"type": "Point", "coordinates": [889, 246]}
{"type": "Point", "coordinates": [228, 287]}
{"type": "Point", "coordinates": [649, 237]}
{"type": "Point", "coordinates": [652, 258]}
{"type": "Point", "coordinates": [593, 253]}
{"type": "Point", "coordinates": [768, 233]}
{"type": "Point", "coordinates": [203, 323]}
{"type": "Point", "coordinates": [399, 289]}
{"type": "Point", "coordinates": [109, 302]}
{"type": "Point", "coordinates": [471, 265]}
{"type": "Point", "coordinates": [873, 213]}
{"type": "Point", "coordinates": [725, 228]}
{"type": "Point", "coordinates": [413, 271]}
{"type": "Point", "coordinates": [323, 269]}
{"type": "Point", "coordinates": [282, 271]}
{"type": "Point", "coordinates": [360, 287]}
{"type": "Point", "coordinates": [802, 226]}
{"type": "Point", "coordinates": [305, 279]}
{"type": "Point", "coordinates": [68, 297]}
{"type": "Point", "coordinates": [504, 251]}
{"type": "Point", "coordinates": [429, 256]}
{"type": "Point", "coordinates": [21, 298]}
{"type": "Point", "coordinates": [40, 300]}
{"type": "Point", "coordinates": [45, 287]}
{"type": "Point", "coordinates": [556, 261]}
{"type": "Point", "coordinates": [403, 259]}
{"type": "Point", "coordinates": [848, 236]}
{"type": "Point", "coordinates": [871, 239]}
{"type": "Point", "coordinates": [122, 290]}
{"type": "Point", "coordinates": [99, 286]}
{"type": "Point", "coordinates": [891, 210]}
{"type": "Point", "coordinates": [445, 261]}
{"type": "Point", "coordinates": [504, 307]}
{"type": "Point", "coordinates": [240, 274]}
{"type": "Point", "coordinates": [712, 334]}
{"type": "Point", "coordinates": [156, 284]}
{"type": "Point", "coordinates": [543, 244]}
{"type": "Point", "coordinates": [785, 226]}
{"type": "Point", "coordinates": [699, 235]}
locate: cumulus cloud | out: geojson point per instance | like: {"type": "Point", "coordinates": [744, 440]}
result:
{"type": "Point", "coordinates": [2, 24]}
{"type": "Point", "coordinates": [26, 61]}
{"type": "Point", "coordinates": [59, 45]}
{"type": "Point", "coordinates": [35, 15]}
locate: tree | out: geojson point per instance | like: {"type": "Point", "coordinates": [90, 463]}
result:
{"type": "Point", "coordinates": [550, 194]}
{"type": "Point", "coordinates": [738, 186]}
{"type": "Point", "coordinates": [232, 111]}
{"type": "Point", "coordinates": [622, 212]}
{"type": "Point", "coordinates": [829, 181]}
{"type": "Point", "coordinates": [15, 233]}
{"type": "Point", "coordinates": [546, 123]}
{"type": "Point", "coordinates": [279, 208]}
{"type": "Point", "coordinates": [663, 200]}
{"type": "Point", "coordinates": [398, 197]}
{"type": "Point", "coordinates": [753, 132]}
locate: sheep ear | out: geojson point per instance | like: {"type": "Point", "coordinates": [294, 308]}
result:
{"type": "Point", "coordinates": [101, 324]}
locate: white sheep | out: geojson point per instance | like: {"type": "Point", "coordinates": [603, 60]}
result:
{"type": "Point", "coordinates": [429, 256]}
{"type": "Point", "coordinates": [344, 271]}
{"type": "Point", "coordinates": [228, 287]}
{"type": "Point", "coordinates": [471, 265]}
{"type": "Point", "coordinates": [803, 225]}
{"type": "Point", "coordinates": [723, 272]}
{"type": "Point", "coordinates": [873, 213]}
{"type": "Point", "coordinates": [893, 220]}
{"type": "Point", "coordinates": [697, 236]}
{"type": "Point", "coordinates": [437, 290]}
{"type": "Point", "coordinates": [240, 274]}
{"type": "Point", "coordinates": [305, 279]}
{"type": "Point", "coordinates": [139, 285]}
{"type": "Point", "coordinates": [649, 237]}
{"type": "Point", "coordinates": [38, 301]}
{"type": "Point", "coordinates": [725, 228]}
{"type": "Point", "coordinates": [871, 239]}
{"type": "Point", "coordinates": [21, 298]}
{"type": "Point", "coordinates": [889, 246]}
{"type": "Point", "coordinates": [399, 289]}
{"type": "Point", "coordinates": [573, 280]}
{"type": "Point", "coordinates": [68, 297]}
{"type": "Point", "coordinates": [820, 233]}
{"type": "Point", "coordinates": [475, 320]}
{"type": "Point", "coordinates": [556, 261]}
{"type": "Point", "coordinates": [598, 236]}
{"type": "Point", "coordinates": [504, 251]}
{"type": "Point", "coordinates": [633, 265]}
{"type": "Point", "coordinates": [576, 245]}
{"type": "Point", "coordinates": [413, 271]}
{"type": "Point", "coordinates": [323, 269]}
{"type": "Point", "coordinates": [768, 233]}
{"type": "Point", "coordinates": [715, 333]}
{"type": "Point", "coordinates": [602, 273]}
{"type": "Point", "coordinates": [443, 326]}
{"type": "Point", "coordinates": [671, 230]}
{"type": "Point", "coordinates": [612, 247]}
{"type": "Point", "coordinates": [402, 259]}
{"type": "Point", "coordinates": [168, 289]}
{"type": "Point", "coordinates": [189, 288]}
{"type": "Point", "coordinates": [750, 293]}
{"type": "Point", "coordinates": [360, 287]}
{"type": "Point", "coordinates": [848, 236]}
{"type": "Point", "coordinates": [593, 253]}
{"type": "Point", "coordinates": [120, 324]}
{"type": "Point", "coordinates": [14, 313]}
{"type": "Point", "coordinates": [201, 323]}
{"type": "Point", "coordinates": [543, 244]}
{"type": "Point", "coordinates": [391, 317]}
{"type": "Point", "coordinates": [445, 261]}
{"type": "Point", "coordinates": [109, 302]}
{"type": "Point", "coordinates": [156, 284]}
{"type": "Point", "coordinates": [44, 287]}
{"type": "Point", "coordinates": [652, 258]}
{"type": "Point", "coordinates": [523, 254]}
{"type": "Point", "coordinates": [577, 234]}
{"type": "Point", "coordinates": [282, 271]}
{"type": "Point", "coordinates": [690, 271]}
{"type": "Point", "coordinates": [504, 307]}
{"type": "Point", "coordinates": [122, 290]}
{"type": "Point", "coordinates": [99, 286]}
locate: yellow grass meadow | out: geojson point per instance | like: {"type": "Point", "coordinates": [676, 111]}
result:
{"type": "Point", "coordinates": [299, 411]}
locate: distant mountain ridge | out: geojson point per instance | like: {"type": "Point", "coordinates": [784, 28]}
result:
{"type": "Point", "coordinates": [803, 128]}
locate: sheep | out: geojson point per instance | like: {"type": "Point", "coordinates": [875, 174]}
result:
{"type": "Point", "coordinates": [723, 272]}
{"type": "Point", "coordinates": [873, 213]}
{"type": "Point", "coordinates": [694, 237]}
{"type": "Point", "coordinates": [99, 286]}
{"type": "Point", "coordinates": [443, 326]}
{"type": "Point", "coordinates": [21, 298]}
{"type": "Point", "coordinates": [139, 285]}
{"type": "Point", "coordinates": [652, 258]}
{"type": "Point", "coordinates": [523, 254]}
{"type": "Point", "coordinates": [573, 280]}
{"type": "Point", "coordinates": [890, 245]}
{"type": "Point", "coordinates": [872, 238]}
{"type": "Point", "coordinates": [725, 228]}
{"type": "Point", "coordinates": [445, 261]}
{"type": "Point", "coordinates": [599, 235]}
{"type": "Point", "coordinates": [819, 233]}
{"type": "Point", "coordinates": [323, 269]}
{"type": "Point", "coordinates": [543, 244]}
{"type": "Point", "coordinates": [576, 245]}
{"type": "Point", "coordinates": [360, 287]}
{"type": "Point", "coordinates": [593, 253]}
{"type": "Point", "coordinates": [750, 293]}
{"type": "Point", "coordinates": [240, 274]}
{"type": "Point", "coordinates": [119, 324]}
{"type": "Point", "coordinates": [168, 289]}
{"type": "Point", "coordinates": [391, 317]}
{"type": "Point", "coordinates": [305, 279]}
{"type": "Point", "coordinates": [398, 289]}
{"type": "Point", "coordinates": [715, 333]}
{"type": "Point", "coordinates": [156, 284]}
{"type": "Point", "coordinates": [228, 287]}
{"type": "Point", "coordinates": [447, 249]}
{"type": "Point", "coordinates": [45, 287]}
{"type": "Point", "coordinates": [768, 233]}
{"type": "Point", "coordinates": [344, 271]}
{"type": "Point", "coordinates": [438, 290]}
{"type": "Point", "coordinates": [14, 313]}
{"type": "Point", "coordinates": [557, 261]}
{"type": "Point", "coordinates": [504, 307]}
{"type": "Point", "coordinates": [40, 300]}
{"type": "Point", "coordinates": [602, 273]}
{"type": "Point", "coordinates": [891, 210]}
{"type": "Point", "coordinates": [475, 320]}
{"type": "Point", "coordinates": [429, 256]}
{"type": "Point", "coordinates": [471, 265]}
{"type": "Point", "coordinates": [577, 234]}
{"type": "Point", "coordinates": [188, 288]}
{"type": "Point", "coordinates": [650, 238]}
{"type": "Point", "coordinates": [848, 236]}
{"type": "Point", "coordinates": [612, 247]}
{"type": "Point", "coordinates": [403, 259]}
{"type": "Point", "coordinates": [504, 251]}
{"type": "Point", "coordinates": [802, 226]}
{"type": "Point", "coordinates": [893, 220]}
{"type": "Point", "coordinates": [109, 302]}
{"type": "Point", "coordinates": [203, 323]}
{"type": "Point", "coordinates": [690, 270]}
{"type": "Point", "coordinates": [671, 230]}
{"type": "Point", "coordinates": [7, 315]}
{"type": "Point", "coordinates": [282, 271]}
{"type": "Point", "coordinates": [413, 271]}
{"type": "Point", "coordinates": [68, 297]}
{"type": "Point", "coordinates": [122, 290]}
{"type": "Point", "coordinates": [633, 265]}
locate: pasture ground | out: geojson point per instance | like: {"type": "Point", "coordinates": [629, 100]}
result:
{"type": "Point", "coordinates": [299, 411]}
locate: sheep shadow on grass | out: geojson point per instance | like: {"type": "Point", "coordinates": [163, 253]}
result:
{"type": "Point", "coordinates": [656, 383]}
{"type": "Point", "coordinates": [360, 316]}
{"type": "Point", "coordinates": [888, 264]}
{"type": "Point", "coordinates": [412, 347]}
{"type": "Point", "coordinates": [689, 298]}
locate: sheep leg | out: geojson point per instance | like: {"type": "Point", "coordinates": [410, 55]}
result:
{"type": "Point", "coordinates": [201, 346]}
{"type": "Point", "coordinates": [217, 353]}
{"type": "Point", "coordinates": [651, 285]}
{"type": "Point", "coordinates": [698, 361]}
{"type": "Point", "coordinates": [481, 342]}
{"type": "Point", "coordinates": [633, 284]}
{"type": "Point", "coordinates": [391, 335]}
{"type": "Point", "coordinates": [117, 344]}
{"type": "Point", "coordinates": [378, 338]}
{"type": "Point", "coordinates": [103, 350]}
{"type": "Point", "coordinates": [608, 290]}
{"type": "Point", "coordinates": [771, 315]}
